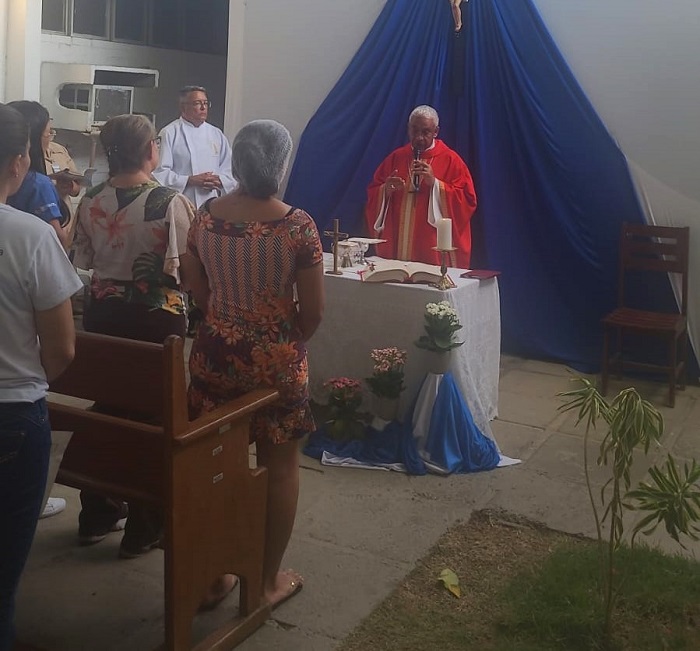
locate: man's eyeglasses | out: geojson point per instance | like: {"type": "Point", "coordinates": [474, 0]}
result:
{"type": "Point", "coordinates": [200, 103]}
{"type": "Point", "coordinates": [157, 140]}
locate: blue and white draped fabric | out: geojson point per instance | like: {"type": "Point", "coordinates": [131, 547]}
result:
{"type": "Point", "coordinates": [393, 448]}
{"type": "Point", "coordinates": [446, 436]}
{"type": "Point", "coordinates": [440, 437]}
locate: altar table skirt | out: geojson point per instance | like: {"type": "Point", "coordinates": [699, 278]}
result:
{"type": "Point", "coordinates": [362, 316]}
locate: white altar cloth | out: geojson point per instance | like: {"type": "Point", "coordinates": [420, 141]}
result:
{"type": "Point", "coordinates": [362, 316]}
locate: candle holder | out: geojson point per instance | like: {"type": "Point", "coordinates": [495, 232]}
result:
{"type": "Point", "coordinates": [444, 283]}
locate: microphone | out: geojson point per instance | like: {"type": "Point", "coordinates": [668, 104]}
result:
{"type": "Point", "coordinates": [416, 178]}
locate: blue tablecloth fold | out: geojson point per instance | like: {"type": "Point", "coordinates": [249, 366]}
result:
{"type": "Point", "coordinates": [439, 436]}
{"type": "Point", "coordinates": [394, 444]}
{"type": "Point", "coordinates": [454, 442]}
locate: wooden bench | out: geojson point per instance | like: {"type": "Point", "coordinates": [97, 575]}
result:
{"type": "Point", "coordinates": [196, 471]}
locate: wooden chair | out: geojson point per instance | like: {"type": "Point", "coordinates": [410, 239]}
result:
{"type": "Point", "coordinates": [196, 471]}
{"type": "Point", "coordinates": [660, 249]}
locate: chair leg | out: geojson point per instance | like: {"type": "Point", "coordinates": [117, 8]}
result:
{"type": "Point", "coordinates": [604, 367]}
{"type": "Point", "coordinates": [619, 354]}
{"type": "Point", "coordinates": [673, 352]}
{"type": "Point", "coordinates": [683, 375]}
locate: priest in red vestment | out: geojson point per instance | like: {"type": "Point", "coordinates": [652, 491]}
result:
{"type": "Point", "coordinates": [417, 185]}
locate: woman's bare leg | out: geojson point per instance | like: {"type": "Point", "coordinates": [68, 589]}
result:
{"type": "Point", "coordinates": [218, 591]}
{"type": "Point", "coordinates": [282, 463]}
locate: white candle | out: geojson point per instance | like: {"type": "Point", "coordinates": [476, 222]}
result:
{"type": "Point", "coordinates": [444, 234]}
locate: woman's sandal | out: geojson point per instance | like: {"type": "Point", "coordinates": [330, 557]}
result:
{"type": "Point", "coordinates": [295, 586]}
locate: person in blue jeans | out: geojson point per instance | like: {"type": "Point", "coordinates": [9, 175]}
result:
{"type": "Point", "coordinates": [37, 345]}
{"type": "Point", "coordinates": [39, 196]}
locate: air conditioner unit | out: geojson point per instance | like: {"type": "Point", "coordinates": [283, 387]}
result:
{"type": "Point", "coordinates": [100, 102]}
{"type": "Point", "coordinates": [83, 97]}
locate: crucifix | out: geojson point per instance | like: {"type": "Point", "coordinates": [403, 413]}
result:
{"type": "Point", "coordinates": [336, 235]}
{"type": "Point", "coordinates": [457, 13]}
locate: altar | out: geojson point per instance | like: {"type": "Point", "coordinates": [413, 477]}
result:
{"type": "Point", "coordinates": [362, 316]}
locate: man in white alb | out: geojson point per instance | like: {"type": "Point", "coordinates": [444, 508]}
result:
{"type": "Point", "coordinates": [195, 157]}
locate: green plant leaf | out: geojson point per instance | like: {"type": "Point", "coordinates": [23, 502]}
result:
{"type": "Point", "coordinates": [672, 497]}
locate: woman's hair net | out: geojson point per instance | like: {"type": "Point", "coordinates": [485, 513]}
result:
{"type": "Point", "coordinates": [260, 155]}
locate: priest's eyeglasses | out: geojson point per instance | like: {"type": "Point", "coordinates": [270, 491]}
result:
{"type": "Point", "coordinates": [200, 103]}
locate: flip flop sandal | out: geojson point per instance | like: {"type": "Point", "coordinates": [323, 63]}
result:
{"type": "Point", "coordinates": [296, 587]}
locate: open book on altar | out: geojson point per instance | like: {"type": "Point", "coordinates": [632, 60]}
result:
{"type": "Point", "coordinates": [401, 271]}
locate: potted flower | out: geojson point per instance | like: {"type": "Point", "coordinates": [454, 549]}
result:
{"type": "Point", "coordinates": [344, 399]}
{"type": "Point", "coordinates": [386, 382]}
{"type": "Point", "coordinates": [441, 323]}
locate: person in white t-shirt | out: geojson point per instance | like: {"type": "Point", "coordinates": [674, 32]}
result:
{"type": "Point", "coordinates": [37, 345]}
{"type": "Point", "coordinates": [195, 156]}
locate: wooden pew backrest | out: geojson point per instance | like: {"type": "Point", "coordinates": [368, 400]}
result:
{"type": "Point", "coordinates": [124, 383]}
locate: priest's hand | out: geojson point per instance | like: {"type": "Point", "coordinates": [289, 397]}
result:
{"type": "Point", "coordinates": [393, 183]}
{"type": "Point", "coordinates": [423, 169]}
{"type": "Point", "coordinates": [205, 180]}
{"type": "Point", "coordinates": [214, 182]}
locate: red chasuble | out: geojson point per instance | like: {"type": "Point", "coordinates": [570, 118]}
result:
{"type": "Point", "coordinates": [408, 215]}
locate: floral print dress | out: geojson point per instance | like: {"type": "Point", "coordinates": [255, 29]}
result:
{"type": "Point", "coordinates": [250, 338]}
{"type": "Point", "coordinates": [132, 238]}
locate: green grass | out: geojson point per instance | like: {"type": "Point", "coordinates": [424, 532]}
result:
{"type": "Point", "coordinates": [530, 589]}
{"type": "Point", "coordinates": [557, 604]}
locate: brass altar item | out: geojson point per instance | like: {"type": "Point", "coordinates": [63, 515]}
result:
{"type": "Point", "coordinates": [336, 235]}
{"type": "Point", "coordinates": [445, 281]}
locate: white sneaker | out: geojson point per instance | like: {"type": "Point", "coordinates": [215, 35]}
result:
{"type": "Point", "coordinates": [54, 505]}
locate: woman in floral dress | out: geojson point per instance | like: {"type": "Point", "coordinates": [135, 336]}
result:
{"type": "Point", "coordinates": [247, 251]}
{"type": "Point", "coordinates": [131, 232]}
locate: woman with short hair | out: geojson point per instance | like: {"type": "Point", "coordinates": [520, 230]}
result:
{"type": "Point", "coordinates": [131, 232]}
{"type": "Point", "coordinates": [37, 345]}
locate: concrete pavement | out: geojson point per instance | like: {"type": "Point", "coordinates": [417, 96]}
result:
{"type": "Point", "coordinates": [357, 534]}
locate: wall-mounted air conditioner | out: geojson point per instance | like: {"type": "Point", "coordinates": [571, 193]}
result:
{"type": "Point", "coordinates": [100, 102]}
{"type": "Point", "coordinates": [83, 97]}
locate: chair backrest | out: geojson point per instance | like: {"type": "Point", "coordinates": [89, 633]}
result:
{"type": "Point", "coordinates": [662, 249]}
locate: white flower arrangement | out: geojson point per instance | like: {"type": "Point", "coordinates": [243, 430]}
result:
{"type": "Point", "coordinates": [441, 323]}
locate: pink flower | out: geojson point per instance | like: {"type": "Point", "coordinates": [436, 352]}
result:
{"type": "Point", "coordinates": [344, 395]}
{"type": "Point", "coordinates": [388, 372]}
{"type": "Point", "coordinates": [388, 359]}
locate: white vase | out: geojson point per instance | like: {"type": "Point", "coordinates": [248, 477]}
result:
{"type": "Point", "coordinates": [438, 363]}
{"type": "Point", "coordinates": [385, 411]}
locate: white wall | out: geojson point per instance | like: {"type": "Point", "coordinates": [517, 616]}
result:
{"type": "Point", "coordinates": [638, 61]}
{"type": "Point", "coordinates": [293, 54]}
{"type": "Point", "coordinates": [177, 69]}
{"type": "Point", "coordinates": [22, 57]}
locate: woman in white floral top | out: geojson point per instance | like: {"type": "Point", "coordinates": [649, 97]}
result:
{"type": "Point", "coordinates": [131, 232]}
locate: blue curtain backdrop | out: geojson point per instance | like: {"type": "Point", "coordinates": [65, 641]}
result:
{"type": "Point", "coordinates": [552, 185]}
